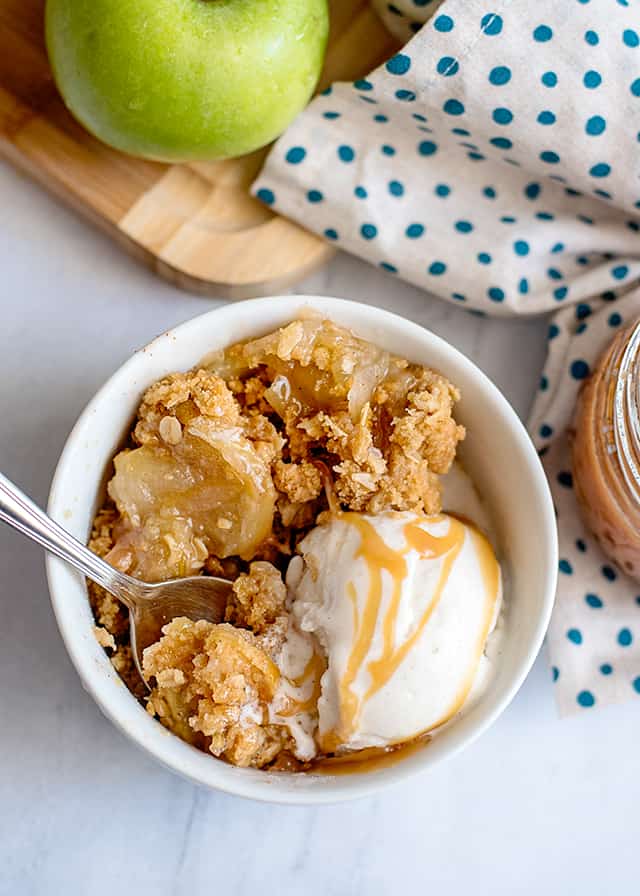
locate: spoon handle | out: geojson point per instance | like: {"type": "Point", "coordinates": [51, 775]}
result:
{"type": "Point", "coordinates": [22, 514]}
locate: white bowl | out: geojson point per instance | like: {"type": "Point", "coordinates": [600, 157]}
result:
{"type": "Point", "coordinates": [497, 453]}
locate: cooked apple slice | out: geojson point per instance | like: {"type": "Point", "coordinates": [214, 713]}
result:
{"type": "Point", "coordinates": [212, 481]}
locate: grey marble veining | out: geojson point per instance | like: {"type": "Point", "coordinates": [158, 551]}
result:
{"type": "Point", "coordinates": [535, 806]}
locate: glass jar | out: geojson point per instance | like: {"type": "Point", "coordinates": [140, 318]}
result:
{"type": "Point", "coordinates": [605, 445]}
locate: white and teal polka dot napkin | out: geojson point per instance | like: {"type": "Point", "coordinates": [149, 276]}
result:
{"type": "Point", "coordinates": [495, 161]}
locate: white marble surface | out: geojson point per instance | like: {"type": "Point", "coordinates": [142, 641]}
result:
{"type": "Point", "coordinates": [536, 806]}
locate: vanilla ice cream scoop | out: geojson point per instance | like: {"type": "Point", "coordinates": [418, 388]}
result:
{"type": "Point", "coordinates": [402, 605]}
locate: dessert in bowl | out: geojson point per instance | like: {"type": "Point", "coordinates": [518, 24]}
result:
{"type": "Point", "coordinates": [388, 599]}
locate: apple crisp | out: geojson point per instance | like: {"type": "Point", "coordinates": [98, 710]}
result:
{"type": "Point", "coordinates": [227, 468]}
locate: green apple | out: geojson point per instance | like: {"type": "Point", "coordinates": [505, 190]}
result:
{"type": "Point", "coordinates": [180, 80]}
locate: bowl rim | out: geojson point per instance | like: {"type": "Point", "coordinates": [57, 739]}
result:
{"type": "Point", "coordinates": [185, 760]}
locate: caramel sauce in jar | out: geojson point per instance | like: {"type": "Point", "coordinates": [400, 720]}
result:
{"type": "Point", "coordinates": [605, 447]}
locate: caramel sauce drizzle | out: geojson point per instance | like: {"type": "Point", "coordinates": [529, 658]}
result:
{"type": "Point", "coordinates": [313, 672]}
{"type": "Point", "coordinates": [381, 558]}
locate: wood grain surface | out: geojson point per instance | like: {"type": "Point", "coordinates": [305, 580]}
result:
{"type": "Point", "coordinates": [194, 224]}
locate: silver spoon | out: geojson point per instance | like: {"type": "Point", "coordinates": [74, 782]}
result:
{"type": "Point", "coordinates": [150, 606]}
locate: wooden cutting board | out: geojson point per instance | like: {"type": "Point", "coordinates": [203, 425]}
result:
{"type": "Point", "coordinates": [194, 224]}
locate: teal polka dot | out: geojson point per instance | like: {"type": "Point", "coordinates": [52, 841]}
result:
{"type": "Point", "coordinates": [427, 148]}
{"type": "Point", "coordinates": [557, 248]}
{"type": "Point", "coordinates": [414, 231]}
{"type": "Point", "coordinates": [266, 196]}
{"type": "Point", "coordinates": [458, 297]}
{"type": "Point", "coordinates": [636, 684]}
{"type": "Point", "coordinates": [331, 234]}
{"type": "Point", "coordinates": [388, 150]}
{"type": "Point", "coordinates": [542, 34]}
{"type": "Point", "coordinates": [625, 638]}
{"type": "Point", "coordinates": [508, 219]}
{"type": "Point", "coordinates": [592, 79]}
{"type": "Point", "coordinates": [475, 156]}
{"type": "Point", "coordinates": [489, 192]}
{"type": "Point", "coordinates": [484, 258]}
{"type": "Point", "coordinates": [491, 24]}
{"type": "Point", "coordinates": [575, 635]}
{"type": "Point", "coordinates": [609, 573]}
{"type": "Point", "coordinates": [554, 274]}
{"type": "Point", "coordinates": [554, 330]}
{"type": "Point", "coordinates": [447, 66]}
{"type": "Point", "coordinates": [405, 96]}
{"type": "Point", "coordinates": [501, 142]}
{"type": "Point", "coordinates": [502, 115]}
{"type": "Point", "coordinates": [581, 328]}
{"type": "Point", "coordinates": [464, 226]}
{"type": "Point", "coordinates": [296, 155]}
{"type": "Point", "coordinates": [549, 79]}
{"type": "Point", "coordinates": [331, 115]}
{"type": "Point", "coordinates": [437, 268]}
{"type": "Point", "coordinates": [419, 117]}
{"type": "Point", "coordinates": [583, 310]}
{"type": "Point", "coordinates": [595, 126]}
{"type": "Point", "coordinates": [500, 75]}
{"type": "Point", "coordinates": [565, 567]}
{"type": "Point", "coordinates": [453, 107]}
{"type": "Point", "coordinates": [546, 117]}
{"type": "Point", "coordinates": [360, 193]}
{"type": "Point", "coordinates": [545, 216]}
{"type": "Point", "coordinates": [532, 191]}
{"type": "Point", "coordinates": [555, 673]}
{"type": "Point", "coordinates": [579, 369]}
{"type": "Point", "coordinates": [635, 87]}
{"type": "Point", "coordinates": [346, 153]}
{"type": "Point", "coordinates": [523, 286]}
{"type": "Point", "coordinates": [443, 23]}
{"type": "Point", "coordinates": [461, 132]}
{"type": "Point", "coordinates": [495, 294]}
{"type": "Point", "coordinates": [315, 196]}
{"type": "Point", "coordinates": [630, 37]}
{"type": "Point", "coordinates": [593, 601]}
{"type": "Point", "coordinates": [615, 319]}
{"type": "Point", "coordinates": [620, 272]}
{"type": "Point", "coordinates": [380, 118]}
{"type": "Point", "coordinates": [399, 64]}
{"type": "Point", "coordinates": [389, 268]}
{"type": "Point", "coordinates": [586, 699]}
{"type": "Point", "coordinates": [544, 383]}
{"type": "Point", "coordinates": [442, 190]}
{"type": "Point", "coordinates": [369, 231]}
{"type": "Point", "coordinates": [363, 84]}
{"type": "Point", "coordinates": [591, 38]}
{"type": "Point", "coordinates": [606, 668]}
{"type": "Point", "coordinates": [521, 247]}
{"type": "Point", "coordinates": [565, 479]}
{"type": "Point", "coordinates": [550, 157]}
{"type": "Point", "coordinates": [581, 545]}
{"type": "Point", "coordinates": [396, 188]}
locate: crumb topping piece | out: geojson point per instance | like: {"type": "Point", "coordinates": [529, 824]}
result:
{"type": "Point", "coordinates": [258, 599]}
{"type": "Point", "coordinates": [213, 686]}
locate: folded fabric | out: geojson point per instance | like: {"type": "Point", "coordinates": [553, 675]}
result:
{"type": "Point", "coordinates": [495, 162]}
{"type": "Point", "coordinates": [404, 18]}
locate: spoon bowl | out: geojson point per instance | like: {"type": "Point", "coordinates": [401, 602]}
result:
{"type": "Point", "coordinates": [198, 597]}
{"type": "Point", "coordinates": [150, 606]}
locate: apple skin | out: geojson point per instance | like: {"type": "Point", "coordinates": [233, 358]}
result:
{"type": "Point", "coordinates": [186, 80]}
